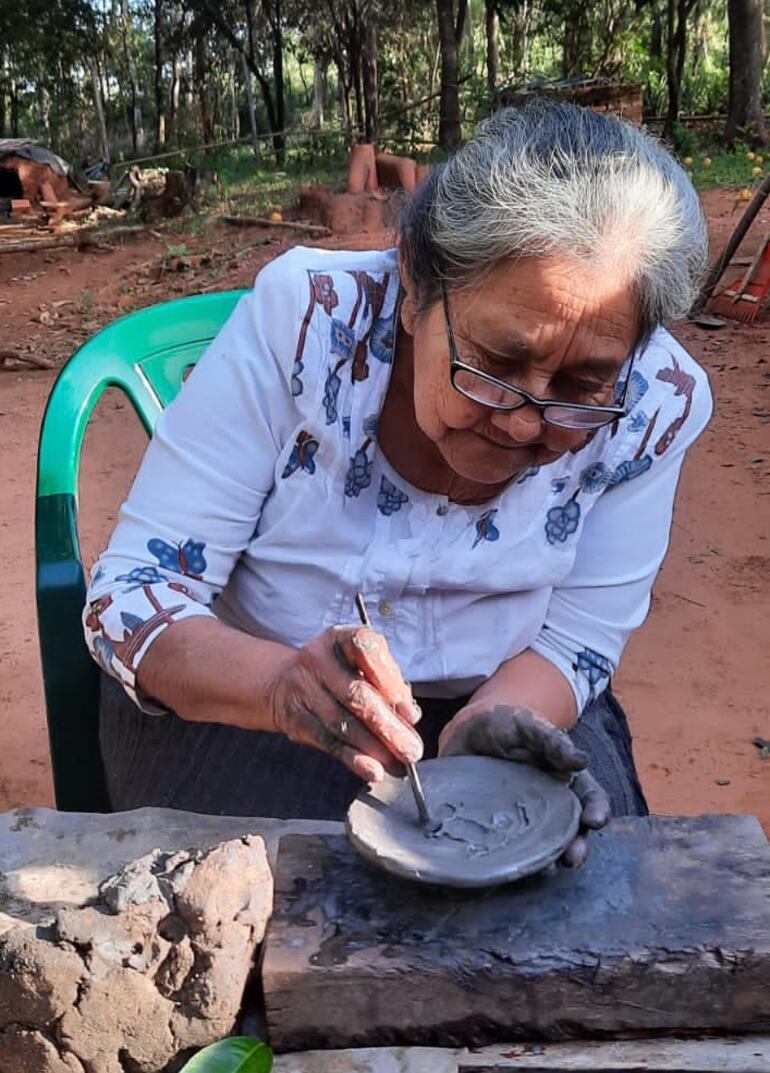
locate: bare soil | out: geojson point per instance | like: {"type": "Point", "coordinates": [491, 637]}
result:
{"type": "Point", "coordinates": [694, 679]}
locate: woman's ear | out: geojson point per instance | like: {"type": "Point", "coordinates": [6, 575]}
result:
{"type": "Point", "coordinates": [409, 303]}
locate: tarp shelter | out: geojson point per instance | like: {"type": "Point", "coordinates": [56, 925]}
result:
{"type": "Point", "coordinates": [25, 167]}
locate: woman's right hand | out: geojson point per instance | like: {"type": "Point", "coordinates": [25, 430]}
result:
{"type": "Point", "coordinates": [344, 694]}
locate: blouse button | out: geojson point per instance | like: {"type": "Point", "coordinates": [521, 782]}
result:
{"type": "Point", "coordinates": [442, 510]}
{"type": "Point", "coordinates": [385, 608]}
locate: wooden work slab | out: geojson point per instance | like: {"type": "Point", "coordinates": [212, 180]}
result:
{"type": "Point", "coordinates": [665, 930]}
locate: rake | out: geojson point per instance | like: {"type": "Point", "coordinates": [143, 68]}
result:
{"type": "Point", "coordinates": [742, 299]}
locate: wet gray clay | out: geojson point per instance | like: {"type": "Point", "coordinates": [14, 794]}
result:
{"type": "Point", "coordinates": [666, 929]}
{"type": "Point", "coordinates": [493, 821]}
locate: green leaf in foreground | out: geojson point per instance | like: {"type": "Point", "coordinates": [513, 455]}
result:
{"type": "Point", "coordinates": [239, 1054]}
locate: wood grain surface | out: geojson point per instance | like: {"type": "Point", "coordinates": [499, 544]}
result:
{"type": "Point", "coordinates": [665, 930]}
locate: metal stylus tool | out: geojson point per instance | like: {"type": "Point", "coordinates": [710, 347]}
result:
{"type": "Point", "coordinates": [411, 769]}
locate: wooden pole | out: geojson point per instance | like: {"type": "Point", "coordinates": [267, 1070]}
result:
{"type": "Point", "coordinates": [737, 237]}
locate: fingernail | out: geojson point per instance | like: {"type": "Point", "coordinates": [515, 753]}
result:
{"type": "Point", "coordinates": [409, 711]}
{"type": "Point", "coordinates": [374, 772]}
{"type": "Point", "coordinates": [413, 751]}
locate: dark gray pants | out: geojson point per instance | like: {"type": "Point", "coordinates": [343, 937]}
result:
{"type": "Point", "coordinates": [164, 761]}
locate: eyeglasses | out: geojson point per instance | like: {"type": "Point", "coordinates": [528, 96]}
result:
{"type": "Point", "coordinates": [496, 394]}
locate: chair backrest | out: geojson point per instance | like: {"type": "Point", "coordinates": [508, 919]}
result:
{"type": "Point", "coordinates": [145, 355]}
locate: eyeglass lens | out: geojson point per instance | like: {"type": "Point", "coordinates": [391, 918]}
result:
{"type": "Point", "coordinates": [490, 394]}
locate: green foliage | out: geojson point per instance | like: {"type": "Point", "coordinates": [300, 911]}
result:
{"type": "Point", "coordinates": [239, 1054]}
{"type": "Point", "coordinates": [683, 141]}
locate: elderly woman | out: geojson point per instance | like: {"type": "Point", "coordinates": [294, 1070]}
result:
{"type": "Point", "coordinates": [481, 431]}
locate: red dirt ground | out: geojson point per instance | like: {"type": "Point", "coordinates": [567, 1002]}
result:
{"type": "Point", "coordinates": [694, 679]}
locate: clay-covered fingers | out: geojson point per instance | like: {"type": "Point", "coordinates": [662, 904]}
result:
{"type": "Point", "coordinates": [513, 734]}
{"type": "Point", "coordinates": [595, 812]}
{"type": "Point", "coordinates": [595, 805]}
{"type": "Point", "coordinates": [367, 652]}
{"type": "Point", "coordinates": [548, 745]}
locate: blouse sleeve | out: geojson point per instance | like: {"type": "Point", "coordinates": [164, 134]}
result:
{"type": "Point", "coordinates": [624, 539]}
{"type": "Point", "coordinates": [197, 497]}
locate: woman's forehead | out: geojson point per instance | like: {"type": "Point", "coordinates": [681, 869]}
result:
{"type": "Point", "coordinates": [545, 305]}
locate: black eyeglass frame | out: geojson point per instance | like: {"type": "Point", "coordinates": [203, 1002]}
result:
{"type": "Point", "coordinates": [456, 364]}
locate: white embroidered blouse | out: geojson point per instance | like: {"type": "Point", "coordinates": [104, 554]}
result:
{"type": "Point", "coordinates": [263, 499]}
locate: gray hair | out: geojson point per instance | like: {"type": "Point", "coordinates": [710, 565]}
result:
{"type": "Point", "coordinates": [555, 178]}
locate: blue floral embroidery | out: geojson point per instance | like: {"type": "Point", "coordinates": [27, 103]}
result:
{"type": "Point", "coordinates": [343, 340]}
{"type": "Point", "coordinates": [389, 498]}
{"type": "Point", "coordinates": [359, 475]}
{"type": "Point", "coordinates": [636, 389]}
{"type": "Point", "coordinates": [381, 339]}
{"type": "Point", "coordinates": [104, 653]}
{"type": "Point", "coordinates": [97, 575]}
{"type": "Point", "coordinates": [558, 484]}
{"type": "Point", "coordinates": [486, 528]}
{"type": "Point", "coordinates": [296, 381]}
{"type": "Point", "coordinates": [131, 621]}
{"type": "Point", "coordinates": [370, 426]}
{"type": "Point", "coordinates": [595, 667]}
{"type": "Point", "coordinates": [302, 455]}
{"type": "Point", "coordinates": [527, 474]}
{"type": "Point", "coordinates": [632, 467]}
{"type": "Point", "coordinates": [561, 522]}
{"type": "Point", "coordinates": [595, 477]}
{"type": "Point", "coordinates": [346, 425]}
{"type": "Point", "coordinates": [638, 422]}
{"type": "Point", "coordinates": [142, 575]}
{"type": "Point", "coordinates": [187, 558]}
{"type": "Point", "coordinates": [331, 393]}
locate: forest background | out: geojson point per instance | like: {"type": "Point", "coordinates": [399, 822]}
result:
{"type": "Point", "coordinates": [297, 81]}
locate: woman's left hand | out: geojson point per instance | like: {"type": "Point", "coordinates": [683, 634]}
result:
{"type": "Point", "coordinates": [521, 734]}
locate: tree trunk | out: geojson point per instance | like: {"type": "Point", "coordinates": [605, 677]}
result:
{"type": "Point", "coordinates": [746, 40]}
{"type": "Point", "coordinates": [137, 131]}
{"type": "Point", "coordinates": [279, 141]}
{"type": "Point", "coordinates": [676, 51]}
{"type": "Point", "coordinates": [319, 92]}
{"type": "Point", "coordinates": [371, 97]}
{"type": "Point", "coordinates": [656, 33]}
{"type": "Point", "coordinates": [493, 44]}
{"type": "Point", "coordinates": [101, 125]}
{"type": "Point", "coordinates": [576, 47]}
{"type": "Point", "coordinates": [173, 98]}
{"type": "Point", "coordinates": [520, 51]}
{"type": "Point", "coordinates": [43, 104]}
{"type": "Point", "coordinates": [201, 82]}
{"type": "Point", "coordinates": [344, 95]}
{"type": "Point", "coordinates": [3, 90]}
{"type": "Point", "coordinates": [160, 106]}
{"type": "Point", "coordinates": [251, 107]}
{"type": "Point", "coordinates": [450, 126]}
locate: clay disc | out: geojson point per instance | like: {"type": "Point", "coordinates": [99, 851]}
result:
{"type": "Point", "coordinates": [494, 821]}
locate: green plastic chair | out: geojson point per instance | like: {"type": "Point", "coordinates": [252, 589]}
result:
{"type": "Point", "coordinates": [145, 354]}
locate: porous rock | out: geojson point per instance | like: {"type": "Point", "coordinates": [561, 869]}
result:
{"type": "Point", "coordinates": [100, 974]}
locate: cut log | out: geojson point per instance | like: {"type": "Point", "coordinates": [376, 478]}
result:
{"type": "Point", "coordinates": [665, 930]}
{"type": "Point", "coordinates": [8, 359]}
{"type": "Point", "coordinates": [261, 221]}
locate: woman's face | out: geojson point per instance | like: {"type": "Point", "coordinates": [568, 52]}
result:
{"type": "Point", "coordinates": [552, 326]}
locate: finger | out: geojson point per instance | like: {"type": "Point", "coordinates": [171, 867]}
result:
{"type": "Point", "coordinates": [318, 720]}
{"type": "Point", "coordinates": [356, 695]}
{"type": "Point", "coordinates": [362, 765]}
{"type": "Point", "coordinates": [345, 727]}
{"type": "Point", "coordinates": [363, 700]}
{"type": "Point", "coordinates": [576, 852]}
{"type": "Point", "coordinates": [368, 653]}
{"type": "Point", "coordinates": [594, 801]}
{"type": "Point", "coordinates": [551, 745]}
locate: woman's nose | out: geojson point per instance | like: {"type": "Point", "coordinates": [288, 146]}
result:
{"type": "Point", "coordinates": [523, 425]}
